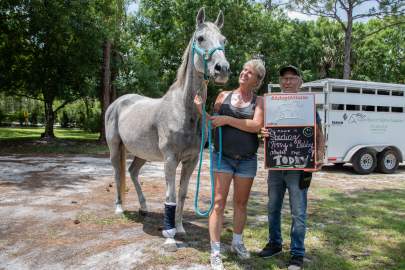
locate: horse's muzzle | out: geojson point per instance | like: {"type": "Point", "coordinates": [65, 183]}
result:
{"type": "Point", "coordinates": [221, 72]}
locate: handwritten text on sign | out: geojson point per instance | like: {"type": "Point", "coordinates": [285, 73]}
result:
{"type": "Point", "coordinates": [290, 147]}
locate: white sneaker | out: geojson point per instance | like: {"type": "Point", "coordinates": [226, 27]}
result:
{"type": "Point", "coordinates": [240, 250]}
{"type": "Point", "coordinates": [216, 262]}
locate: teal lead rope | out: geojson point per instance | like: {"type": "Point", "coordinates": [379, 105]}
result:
{"type": "Point", "coordinates": [197, 190]}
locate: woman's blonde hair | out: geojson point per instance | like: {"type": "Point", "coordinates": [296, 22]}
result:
{"type": "Point", "coordinates": [258, 66]}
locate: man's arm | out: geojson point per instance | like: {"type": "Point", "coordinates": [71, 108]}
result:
{"type": "Point", "coordinates": [320, 142]}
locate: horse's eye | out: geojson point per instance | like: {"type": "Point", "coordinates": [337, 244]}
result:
{"type": "Point", "coordinates": [225, 41]}
{"type": "Point", "coordinates": [200, 39]}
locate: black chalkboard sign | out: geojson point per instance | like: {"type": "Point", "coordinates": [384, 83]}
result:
{"type": "Point", "coordinates": [290, 148]}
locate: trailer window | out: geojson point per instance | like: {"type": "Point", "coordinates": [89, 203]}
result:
{"type": "Point", "coordinates": [368, 108]}
{"type": "Point", "coordinates": [305, 89]}
{"type": "Point", "coordinates": [353, 90]}
{"type": "Point", "coordinates": [338, 107]}
{"type": "Point", "coordinates": [397, 93]}
{"type": "Point", "coordinates": [338, 89]}
{"type": "Point", "coordinates": [383, 92]}
{"type": "Point", "coordinates": [316, 89]}
{"type": "Point", "coordinates": [383, 109]}
{"type": "Point", "coordinates": [397, 109]}
{"type": "Point", "coordinates": [319, 107]}
{"type": "Point", "coordinates": [369, 91]}
{"type": "Point", "coordinates": [351, 107]}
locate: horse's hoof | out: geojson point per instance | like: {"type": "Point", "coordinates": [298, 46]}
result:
{"type": "Point", "coordinates": [180, 230]}
{"type": "Point", "coordinates": [143, 213]}
{"type": "Point", "coordinates": [170, 245]}
{"type": "Point", "coordinates": [119, 210]}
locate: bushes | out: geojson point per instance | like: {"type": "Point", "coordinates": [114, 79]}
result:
{"type": "Point", "coordinates": [64, 120]}
{"type": "Point", "coordinates": [2, 117]}
{"type": "Point", "coordinates": [83, 114]}
{"type": "Point", "coordinates": [92, 122]}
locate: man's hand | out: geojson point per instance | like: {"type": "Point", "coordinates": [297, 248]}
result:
{"type": "Point", "coordinates": [264, 132]}
{"type": "Point", "coordinates": [318, 166]}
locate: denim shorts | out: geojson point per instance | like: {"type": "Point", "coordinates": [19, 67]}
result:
{"type": "Point", "coordinates": [246, 167]}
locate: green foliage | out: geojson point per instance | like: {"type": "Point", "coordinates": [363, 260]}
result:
{"type": "Point", "coordinates": [64, 120]}
{"type": "Point", "coordinates": [2, 117]}
{"type": "Point", "coordinates": [35, 117]}
{"type": "Point", "coordinates": [21, 118]}
{"type": "Point", "coordinates": [381, 56]}
{"type": "Point", "coordinates": [60, 62]}
{"type": "Point", "coordinates": [92, 122]}
{"type": "Point", "coordinates": [84, 113]}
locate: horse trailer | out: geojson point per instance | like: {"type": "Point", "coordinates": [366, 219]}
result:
{"type": "Point", "coordinates": [363, 122]}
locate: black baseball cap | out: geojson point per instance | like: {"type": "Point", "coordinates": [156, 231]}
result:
{"type": "Point", "coordinates": [290, 68]}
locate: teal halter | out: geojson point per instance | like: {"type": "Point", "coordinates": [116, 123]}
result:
{"type": "Point", "coordinates": [206, 56]}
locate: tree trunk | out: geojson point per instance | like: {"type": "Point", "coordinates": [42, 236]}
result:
{"type": "Point", "coordinates": [114, 74]}
{"type": "Point", "coordinates": [348, 46]}
{"type": "Point", "coordinates": [49, 120]}
{"type": "Point", "coordinates": [105, 93]}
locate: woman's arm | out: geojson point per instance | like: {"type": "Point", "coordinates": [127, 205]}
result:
{"type": "Point", "coordinates": [248, 125]}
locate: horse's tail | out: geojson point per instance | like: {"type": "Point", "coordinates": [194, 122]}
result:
{"type": "Point", "coordinates": [122, 154]}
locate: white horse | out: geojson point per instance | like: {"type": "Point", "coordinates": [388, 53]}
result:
{"type": "Point", "coordinates": [167, 129]}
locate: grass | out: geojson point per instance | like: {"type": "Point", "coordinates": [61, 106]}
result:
{"type": "Point", "coordinates": [364, 230]}
{"type": "Point", "coordinates": [359, 230]}
{"type": "Point", "coordinates": [67, 141]}
{"type": "Point", "coordinates": [35, 133]}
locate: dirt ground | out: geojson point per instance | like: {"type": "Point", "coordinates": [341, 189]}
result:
{"type": "Point", "coordinates": [57, 212]}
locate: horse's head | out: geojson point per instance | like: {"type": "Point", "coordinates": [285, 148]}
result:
{"type": "Point", "coordinates": [209, 48]}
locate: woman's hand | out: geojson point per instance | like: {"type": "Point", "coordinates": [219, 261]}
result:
{"type": "Point", "coordinates": [198, 100]}
{"type": "Point", "coordinates": [198, 103]}
{"type": "Point", "coordinates": [219, 120]}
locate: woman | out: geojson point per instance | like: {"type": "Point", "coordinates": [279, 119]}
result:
{"type": "Point", "coordinates": [240, 114]}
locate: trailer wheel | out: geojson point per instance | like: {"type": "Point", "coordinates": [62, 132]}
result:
{"type": "Point", "coordinates": [364, 161]}
{"type": "Point", "coordinates": [388, 161]}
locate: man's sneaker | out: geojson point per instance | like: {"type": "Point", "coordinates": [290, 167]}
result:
{"type": "Point", "coordinates": [270, 250]}
{"type": "Point", "coordinates": [296, 263]}
{"type": "Point", "coordinates": [240, 250]}
{"type": "Point", "coordinates": [216, 262]}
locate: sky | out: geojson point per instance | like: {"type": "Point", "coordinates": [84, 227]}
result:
{"type": "Point", "coordinates": [133, 7]}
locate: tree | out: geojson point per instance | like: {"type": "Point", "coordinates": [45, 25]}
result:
{"type": "Point", "coordinates": [114, 20]}
{"type": "Point", "coordinates": [380, 57]}
{"type": "Point", "coordinates": [49, 50]}
{"type": "Point", "coordinates": [346, 12]}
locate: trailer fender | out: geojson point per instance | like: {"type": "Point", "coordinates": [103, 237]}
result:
{"type": "Point", "coordinates": [376, 147]}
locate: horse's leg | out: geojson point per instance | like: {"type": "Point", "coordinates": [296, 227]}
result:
{"type": "Point", "coordinates": [186, 172]}
{"type": "Point", "coordinates": [169, 230]}
{"type": "Point", "coordinates": [136, 165]}
{"type": "Point", "coordinates": [117, 156]}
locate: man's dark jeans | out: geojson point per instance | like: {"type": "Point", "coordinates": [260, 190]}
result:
{"type": "Point", "coordinates": [278, 183]}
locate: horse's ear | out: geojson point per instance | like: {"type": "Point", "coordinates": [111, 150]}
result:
{"type": "Point", "coordinates": [200, 17]}
{"type": "Point", "coordinates": [220, 20]}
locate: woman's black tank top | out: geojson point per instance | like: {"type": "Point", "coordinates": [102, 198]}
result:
{"type": "Point", "coordinates": [236, 143]}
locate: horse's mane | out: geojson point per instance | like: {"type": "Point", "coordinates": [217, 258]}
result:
{"type": "Point", "coordinates": [181, 72]}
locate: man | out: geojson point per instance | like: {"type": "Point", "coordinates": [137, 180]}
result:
{"type": "Point", "coordinates": [296, 182]}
